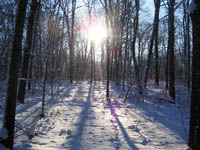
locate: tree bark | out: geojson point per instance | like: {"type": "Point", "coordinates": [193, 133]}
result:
{"type": "Point", "coordinates": [108, 50]}
{"type": "Point", "coordinates": [137, 71]}
{"type": "Point", "coordinates": [27, 49]}
{"type": "Point", "coordinates": [91, 61]}
{"type": "Point", "coordinates": [167, 70]}
{"type": "Point", "coordinates": [194, 135]}
{"type": "Point", "coordinates": [156, 43]}
{"type": "Point", "coordinates": [9, 116]}
{"type": "Point", "coordinates": [125, 59]}
{"type": "Point", "coordinates": [31, 58]}
{"type": "Point", "coordinates": [188, 50]}
{"type": "Point", "coordinates": [72, 42]}
{"type": "Point", "coordinates": [44, 87]}
{"type": "Point", "coordinates": [172, 91]}
{"type": "Point", "coordinates": [153, 36]}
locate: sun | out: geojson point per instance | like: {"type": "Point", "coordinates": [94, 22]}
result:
{"type": "Point", "coordinates": [93, 29]}
{"type": "Point", "coordinates": [97, 33]}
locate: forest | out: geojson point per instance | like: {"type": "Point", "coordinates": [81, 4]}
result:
{"type": "Point", "coordinates": [99, 74]}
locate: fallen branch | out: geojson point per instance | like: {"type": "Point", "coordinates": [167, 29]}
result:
{"type": "Point", "coordinates": [127, 93]}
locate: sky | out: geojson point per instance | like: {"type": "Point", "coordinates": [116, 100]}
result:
{"type": "Point", "coordinates": [149, 4]}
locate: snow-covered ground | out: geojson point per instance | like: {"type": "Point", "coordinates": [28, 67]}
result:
{"type": "Point", "coordinates": [81, 119]}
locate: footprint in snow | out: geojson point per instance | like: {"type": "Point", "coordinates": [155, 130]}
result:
{"type": "Point", "coordinates": [63, 131]}
{"type": "Point", "coordinates": [134, 128]}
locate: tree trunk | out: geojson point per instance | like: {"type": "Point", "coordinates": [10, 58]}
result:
{"type": "Point", "coordinates": [125, 59]}
{"type": "Point", "coordinates": [44, 87]}
{"type": "Point", "coordinates": [167, 70]}
{"type": "Point", "coordinates": [156, 42]}
{"type": "Point", "coordinates": [31, 60]}
{"type": "Point", "coordinates": [188, 50]}
{"type": "Point", "coordinates": [27, 49]}
{"type": "Point", "coordinates": [194, 135]}
{"type": "Point", "coordinates": [172, 91]}
{"type": "Point", "coordinates": [94, 70]}
{"type": "Point", "coordinates": [137, 71]}
{"type": "Point", "coordinates": [91, 61]}
{"type": "Point", "coordinates": [108, 50]}
{"type": "Point", "coordinates": [154, 33]}
{"type": "Point", "coordinates": [9, 116]}
{"type": "Point", "coordinates": [72, 42]}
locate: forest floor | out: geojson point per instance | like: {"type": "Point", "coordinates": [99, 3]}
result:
{"type": "Point", "coordinates": [81, 119]}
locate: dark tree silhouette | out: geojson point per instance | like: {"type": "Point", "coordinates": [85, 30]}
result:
{"type": "Point", "coordinates": [27, 49]}
{"type": "Point", "coordinates": [9, 116]}
{"type": "Point", "coordinates": [172, 91]}
{"type": "Point", "coordinates": [194, 136]}
{"type": "Point", "coordinates": [154, 36]}
{"type": "Point", "coordinates": [136, 67]}
{"type": "Point", "coordinates": [157, 4]}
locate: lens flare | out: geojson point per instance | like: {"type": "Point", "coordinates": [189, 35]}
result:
{"type": "Point", "coordinates": [93, 29]}
{"type": "Point", "coordinates": [96, 33]}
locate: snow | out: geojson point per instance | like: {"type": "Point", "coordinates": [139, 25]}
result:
{"type": "Point", "coordinates": [81, 119]}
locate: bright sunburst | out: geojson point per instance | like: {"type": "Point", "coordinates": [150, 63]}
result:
{"type": "Point", "coordinates": [93, 29]}
{"type": "Point", "coordinates": [97, 33]}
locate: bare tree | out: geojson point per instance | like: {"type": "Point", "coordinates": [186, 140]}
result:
{"type": "Point", "coordinates": [108, 52]}
{"type": "Point", "coordinates": [9, 116]}
{"type": "Point", "coordinates": [194, 136]}
{"type": "Point", "coordinates": [153, 36]}
{"type": "Point", "coordinates": [27, 49]}
{"type": "Point", "coordinates": [137, 71]}
{"type": "Point", "coordinates": [70, 22]}
{"type": "Point", "coordinates": [157, 74]}
{"type": "Point", "coordinates": [172, 91]}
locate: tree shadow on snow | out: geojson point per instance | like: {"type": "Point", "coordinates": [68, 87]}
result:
{"type": "Point", "coordinates": [113, 106]}
{"type": "Point", "coordinates": [154, 110]}
{"type": "Point", "coordinates": [76, 139]}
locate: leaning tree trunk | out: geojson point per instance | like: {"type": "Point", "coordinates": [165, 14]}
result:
{"type": "Point", "coordinates": [9, 116]}
{"type": "Point", "coordinates": [194, 136]}
{"type": "Point", "coordinates": [27, 49]}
